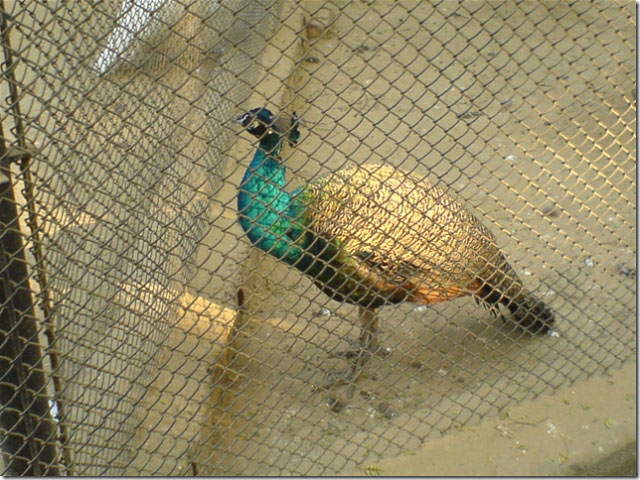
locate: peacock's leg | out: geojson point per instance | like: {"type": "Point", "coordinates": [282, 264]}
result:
{"type": "Point", "coordinates": [368, 337]}
{"type": "Point", "coordinates": [367, 346]}
{"type": "Point", "coordinates": [368, 340]}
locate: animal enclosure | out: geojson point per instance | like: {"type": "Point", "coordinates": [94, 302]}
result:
{"type": "Point", "coordinates": [142, 334]}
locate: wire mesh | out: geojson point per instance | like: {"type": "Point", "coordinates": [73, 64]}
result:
{"type": "Point", "coordinates": [171, 346]}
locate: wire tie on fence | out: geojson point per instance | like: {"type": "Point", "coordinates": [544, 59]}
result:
{"type": "Point", "coordinates": [14, 153]}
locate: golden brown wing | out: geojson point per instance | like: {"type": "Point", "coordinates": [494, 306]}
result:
{"type": "Point", "coordinates": [401, 226]}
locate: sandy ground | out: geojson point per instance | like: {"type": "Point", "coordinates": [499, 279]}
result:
{"type": "Point", "coordinates": [585, 430]}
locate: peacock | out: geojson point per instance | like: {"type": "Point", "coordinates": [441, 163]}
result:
{"type": "Point", "coordinates": [373, 235]}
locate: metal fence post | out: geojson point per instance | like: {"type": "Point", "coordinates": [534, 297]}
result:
{"type": "Point", "coordinates": [27, 429]}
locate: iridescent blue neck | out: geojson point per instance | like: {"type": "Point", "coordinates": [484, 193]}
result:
{"type": "Point", "coordinates": [264, 173]}
{"type": "Point", "coordinates": [263, 205]}
{"type": "Point", "coordinates": [277, 223]}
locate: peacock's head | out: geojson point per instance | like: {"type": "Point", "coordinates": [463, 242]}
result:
{"type": "Point", "coordinates": [260, 122]}
{"type": "Point", "coordinates": [256, 121]}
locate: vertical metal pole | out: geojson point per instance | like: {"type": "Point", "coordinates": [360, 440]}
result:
{"type": "Point", "coordinates": [8, 217]}
{"type": "Point", "coordinates": [28, 431]}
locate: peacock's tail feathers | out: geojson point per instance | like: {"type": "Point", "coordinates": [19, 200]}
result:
{"type": "Point", "coordinates": [501, 284]}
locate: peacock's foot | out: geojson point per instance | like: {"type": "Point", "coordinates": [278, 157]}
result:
{"type": "Point", "coordinates": [367, 346]}
{"type": "Point", "coordinates": [374, 348]}
{"type": "Point", "coordinates": [337, 378]}
{"type": "Point", "coordinates": [348, 377]}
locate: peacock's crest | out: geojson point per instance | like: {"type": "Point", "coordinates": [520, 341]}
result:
{"type": "Point", "coordinates": [261, 122]}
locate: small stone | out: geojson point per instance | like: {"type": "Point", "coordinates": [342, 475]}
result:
{"type": "Point", "coordinates": [366, 395]}
{"type": "Point", "coordinates": [507, 102]}
{"type": "Point", "coordinates": [468, 115]}
{"type": "Point", "coordinates": [588, 262]}
{"type": "Point", "coordinates": [323, 312]}
{"type": "Point", "coordinates": [336, 405]}
{"type": "Point", "coordinates": [365, 48]}
{"type": "Point", "coordinates": [385, 409]}
{"type": "Point", "coordinates": [626, 271]}
{"type": "Point", "coordinates": [551, 211]}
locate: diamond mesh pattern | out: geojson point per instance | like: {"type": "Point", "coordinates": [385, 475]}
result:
{"type": "Point", "coordinates": [170, 346]}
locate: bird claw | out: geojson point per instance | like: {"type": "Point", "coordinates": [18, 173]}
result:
{"type": "Point", "coordinates": [367, 346]}
{"type": "Point", "coordinates": [338, 378]}
{"type": "Point", "coordinates": [374, 348]}
{"type": "Point", "coordinates": [346, 377]}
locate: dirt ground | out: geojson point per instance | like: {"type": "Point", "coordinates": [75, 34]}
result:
{"type": "Point", "coordinates": [586, 429]}
{"type": "Point", "coordinates": [534, 134]}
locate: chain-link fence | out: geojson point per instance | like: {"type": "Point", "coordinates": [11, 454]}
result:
{"type": "Point", "coordinates": [142, 334]}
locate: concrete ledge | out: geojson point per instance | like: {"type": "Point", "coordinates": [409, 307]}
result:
{"type": "Point", "coordinates": [586, 429]}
